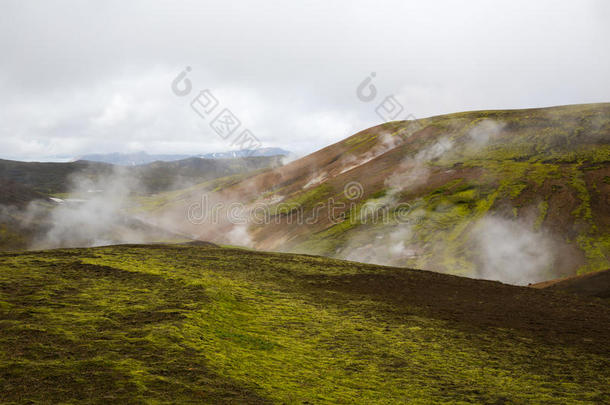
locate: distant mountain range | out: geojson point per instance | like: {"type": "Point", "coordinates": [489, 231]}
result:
{"type": "Point", "coordinates": [142, 158]}
{"type": "Point", "coordinates": [52, 177]}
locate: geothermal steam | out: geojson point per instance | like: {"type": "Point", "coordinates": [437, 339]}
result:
{"type": "Point", "coordinates": [502, 249]}
{"type": "Point", "coordinates": [95, 218]}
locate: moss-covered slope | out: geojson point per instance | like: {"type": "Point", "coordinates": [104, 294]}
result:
{"type": "Point", "coordinates": [187, 324]}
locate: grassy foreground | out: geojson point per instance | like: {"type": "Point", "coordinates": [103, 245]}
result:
{"type": "Point", "coordinates": [192, 324]}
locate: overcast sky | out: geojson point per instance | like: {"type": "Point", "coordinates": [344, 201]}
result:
{"type": "Point", "coordinates": [93, 77]}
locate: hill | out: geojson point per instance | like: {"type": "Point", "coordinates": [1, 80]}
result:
{"type": "Point", "coordinates": [96, 199]}
{"type": "Point", "coordinates": [193, 324]}
{"type": "Point", "coordinates": [514, 195]}
{"type": "Point", "coordinates": [14, 194]}
{"type": "Point", "coordinates": [57, 178]}
{"type": "Point", "coordinates": [16, 228]}
{"type": "Point", "coordinates": [49, 177]}
{"type": "Point", "coordinates": [162, 176]}
{"type": "Point", "coordinates": [596, 284]}
{"type": "Point", "coordinates": [142, 158]}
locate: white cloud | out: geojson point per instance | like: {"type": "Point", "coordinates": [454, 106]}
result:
{"type": "Point", "coordinates": [115, 113]}
{"type": "Point", "coordinates": [94, 77]}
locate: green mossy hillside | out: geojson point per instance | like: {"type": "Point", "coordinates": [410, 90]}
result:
{"type": "Point", "coordinates": [183, 324]}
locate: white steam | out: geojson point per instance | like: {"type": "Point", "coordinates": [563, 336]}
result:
{"type": "Point", "coordinates": [502, 249]}
{"type": "Point", "coordinates": [392, 247]}
{"type": "Point", "coordinates": [240, 236]}
{"type": "Point", "coordinates": [316, 179]}
{"type": "Point", "coordinates": [95, 218]}
{"type": "Point", "coordinates": [484, 132]}
{"type": "Point", "coordinates": [98, 213]}
{"type": "Point", "coordinates": [414, 171]}
{"type": "Point", "coordinates": [511, 251]}
{"type": "Point", "coordinates": [289, 158]}
{"type": "Point", "coordinates": [386, 142]}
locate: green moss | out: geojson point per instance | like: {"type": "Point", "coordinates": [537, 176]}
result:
{"type": "Point", "coordinates": [172, 324]}
{"type": "Point", "coordinates": [514, 190]}
{"type": "Point", "coordinates": [596, 250]}
{"type": "Point", "coordinates": [583, 211]}
{"type": "Point", "coordinates": [465, 196]}
{"type": "Point", "coordinates": [543, 208]}
{"type": "Point", "coordinates": [309, 198]}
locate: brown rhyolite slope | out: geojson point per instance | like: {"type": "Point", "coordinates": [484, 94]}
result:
{"type": "Point", "coordinates": [545, 169]}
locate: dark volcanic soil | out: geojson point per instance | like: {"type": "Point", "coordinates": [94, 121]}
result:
{"type": "Point", "coordinates": [551, 316]}
{"type": "Point", "coordinates": [589, 285]}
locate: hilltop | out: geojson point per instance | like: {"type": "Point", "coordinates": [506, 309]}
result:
{"type": "Point", "coordinates": [192, 324]}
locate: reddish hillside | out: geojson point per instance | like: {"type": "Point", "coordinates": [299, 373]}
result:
{"type": "Point", "coordinates": [517, 195]}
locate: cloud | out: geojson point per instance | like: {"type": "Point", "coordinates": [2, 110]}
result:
{"type": "Point", "coordinates": [115, 113]}
{"type": "Point", "coordinates": [84, 77]}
